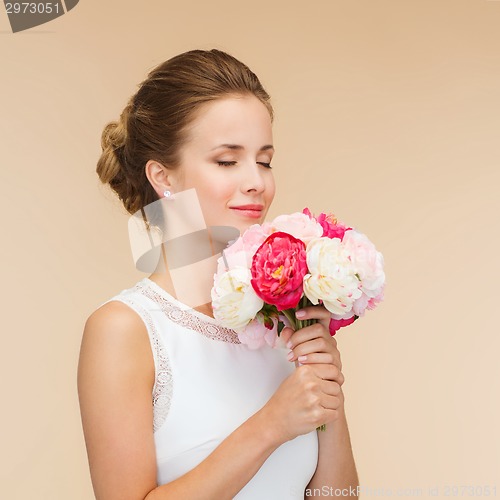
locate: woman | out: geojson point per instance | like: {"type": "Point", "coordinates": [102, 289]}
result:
{"type": "Point", "coordinates": [172, 404]}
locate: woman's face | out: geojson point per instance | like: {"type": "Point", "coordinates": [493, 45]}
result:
{"type": "Point", "coordinates": [225, 159]}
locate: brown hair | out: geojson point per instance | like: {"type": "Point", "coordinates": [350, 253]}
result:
{"type": "Point", "coordinates": [154, 123]}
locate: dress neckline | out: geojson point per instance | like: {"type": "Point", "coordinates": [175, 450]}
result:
{"type": "Point", "coordinates": [167, 296]}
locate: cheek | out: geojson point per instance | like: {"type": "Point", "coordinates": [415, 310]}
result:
{"type": "Point", "coordinates": [216, 186]}
{"type": "Point", "coordinates": [271, 189]}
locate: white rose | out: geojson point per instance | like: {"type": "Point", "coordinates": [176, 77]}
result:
{"type": "Point", "coordinates": [234, 301]}
{"type": "Point", "coordinates": [332, 277]}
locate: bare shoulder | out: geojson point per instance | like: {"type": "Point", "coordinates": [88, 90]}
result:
{"type": "Point", "coordinates": [114, 314]}
{"type": "Point", "coordinates": [115, 381]}
{"type": "Point", "coordinates": [115, 333]}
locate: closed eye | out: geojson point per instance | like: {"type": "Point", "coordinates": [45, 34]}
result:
{"type": "Point", "coordinates": [229, 163]}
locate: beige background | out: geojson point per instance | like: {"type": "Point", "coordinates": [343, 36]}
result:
{"type": "Point", "coordinates": [388, 113]}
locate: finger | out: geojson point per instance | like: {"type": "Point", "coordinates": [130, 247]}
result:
{"type": "Point", "coordinates": [314, 359]}
{"type": "Point", "coordinates": [286, 334]}
{"type": "Point", "coordinates": [310, 332]}
{"type": "Point", "coordinates": [314, 312]}
{"type": "Point", "coordinates": [319, 345]}
{"type": "Point", "coordinates": [311, 346]}
{"type": "Point", "coordinates": [319, 313]}
{"type": "Point", "coordinates": [330, 402]}
{"type": "Point", "coordinates": [317, 357]}
{"type": "Point", "coordinates": [328, 372]}
{"type": "Point", "coordinates": [331, 388]}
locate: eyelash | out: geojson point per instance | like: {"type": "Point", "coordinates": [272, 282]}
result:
{"type": "Point", "coordinates": [229, 163]}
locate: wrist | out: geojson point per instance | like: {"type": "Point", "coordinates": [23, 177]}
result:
{"type": "Point", "coordinates": [270, 434]}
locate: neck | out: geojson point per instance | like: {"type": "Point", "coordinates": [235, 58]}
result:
{"type": "Point", "coordinates": [190, 284]}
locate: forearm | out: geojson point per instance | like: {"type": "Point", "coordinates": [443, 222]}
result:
{"type": "Point", "coordinates": [336, 469]}
{"type": "Point", "coordinates": [228, 468]}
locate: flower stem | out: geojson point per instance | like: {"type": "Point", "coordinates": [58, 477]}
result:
{"type": "Point", "coordinates": [290, 315]}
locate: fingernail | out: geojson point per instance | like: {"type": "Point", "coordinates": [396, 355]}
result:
{"type": "Point", "coordinates": [300, 314]}
{"type": "Point", "coordinates": [289, 344]}
{"type": "Point", "coordinates": [290, 356]}
{"type": "Point", "coordinates": [301, 358]}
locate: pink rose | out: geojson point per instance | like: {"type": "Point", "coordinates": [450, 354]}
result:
{"type": "Point", "coordinates": [278, 270]}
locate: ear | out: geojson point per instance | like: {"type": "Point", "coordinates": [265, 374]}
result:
{"type": "Point", "coordinates": [159, 176]}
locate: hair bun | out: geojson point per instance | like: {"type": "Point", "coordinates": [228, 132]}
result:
{"type": "Point", "coordinates": [114, 134]}
{"type": "Point", "coordinates": [113, 139]}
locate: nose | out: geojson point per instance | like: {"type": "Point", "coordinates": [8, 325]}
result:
{"type": "Point", "coordinates": [253, 177]}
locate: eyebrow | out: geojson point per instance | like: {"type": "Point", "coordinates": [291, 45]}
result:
{"type": "Point", "coordinates": [238, 147]}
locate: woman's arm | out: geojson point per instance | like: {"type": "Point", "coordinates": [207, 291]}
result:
{"type": "Point", "coordinates": [115, 381]}
{"type": "Point", "coordinates": [336, 470]}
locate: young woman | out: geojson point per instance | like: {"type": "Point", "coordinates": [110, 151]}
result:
{"type": "Point", "coordinates": [172, 404]}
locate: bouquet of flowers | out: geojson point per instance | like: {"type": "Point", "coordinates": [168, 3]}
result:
{"type": "Point", "coordinates": [275, 268]}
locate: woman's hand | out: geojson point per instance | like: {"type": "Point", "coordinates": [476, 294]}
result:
{"type": "Point", "coordinates": [313, 345]}
{"type": "Point", "coordinates": [305, 400]}
{"type": "Point", "coordinates": [312, 395]}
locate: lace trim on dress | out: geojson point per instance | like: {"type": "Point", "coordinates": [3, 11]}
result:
{"type": "Point", "coordinates": [189, 318]}
{"type": "Point", "coordinates": [163, 386]}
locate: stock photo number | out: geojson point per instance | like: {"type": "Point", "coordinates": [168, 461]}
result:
{"type": "Point", "coordinates": [25, 15]}
{"type": "Point", "coordinates": [33, 8]}
{"type": "Point", "coordinates": [470, 490]}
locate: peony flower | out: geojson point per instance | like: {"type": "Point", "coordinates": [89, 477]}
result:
{"type": "Point", "coordinates": [367, 262]}
{"type": "Point", "coordinates": [336, 324]}
{"type": "Point", "coordinates": [256, 334]}
{"type": "Point", "coordinates": [234, 256]}
{"type": "Point", "coordinates": [234, 301]}
{"type": "Point", "coordinates": [299, 225]}
{"type": "Point", "coordinates": [240, 252]}
{"type": "Point", "coordinates": [255, 235]}
{"type": "Point", "coordinates": [308, 213]}
{"type": "Point", "coordinates": [278, 268]}
{"type": "Point", "coordinates": [332, 228]}
{"type": "Point", "coordinates": [295, 259]}
{"type": "Point", "coordinates": [360, 305]}
{"type": "Point", "coordinates": [332, 277]}
{"type": "Point", "coordinates": [373, 301]}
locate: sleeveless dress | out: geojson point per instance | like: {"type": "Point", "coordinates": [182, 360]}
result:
{"type": "Point", "coordinates": [207, 384]}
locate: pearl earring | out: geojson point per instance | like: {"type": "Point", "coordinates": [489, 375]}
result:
{"type": "Point", "coordinates": [167, 193]}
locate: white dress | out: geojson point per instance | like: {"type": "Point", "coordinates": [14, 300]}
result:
{"type": "Point", "coordinates": [207, 384]}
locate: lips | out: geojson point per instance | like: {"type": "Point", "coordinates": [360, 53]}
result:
{"type": "Point", "coordinates": [249, 207]}
{"type": "Point", "coordinates": [253, 211]}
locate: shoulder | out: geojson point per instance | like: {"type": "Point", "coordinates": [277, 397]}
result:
{"type": "Point", "coordinates": [115, 381]}
{"type": "Point", "coordinates": [115, 338]}
{"type": "Point", "coordinates": [114, 315]}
